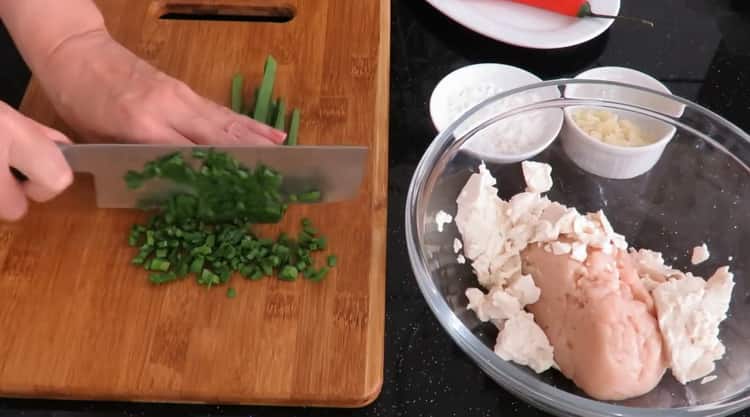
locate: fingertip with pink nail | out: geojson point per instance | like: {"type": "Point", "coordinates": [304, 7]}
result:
{"type": "Point", "coordinates": [240, 132]}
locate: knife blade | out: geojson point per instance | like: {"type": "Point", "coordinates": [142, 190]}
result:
{"type": "Point", "coordinates": [335, 171]}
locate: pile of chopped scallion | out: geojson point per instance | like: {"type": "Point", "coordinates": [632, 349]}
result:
{"type": "Point", "coordinates": [207, 230]}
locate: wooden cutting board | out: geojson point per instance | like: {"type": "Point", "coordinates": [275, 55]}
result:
{"type": "Point", "coordinates": [77, 321]}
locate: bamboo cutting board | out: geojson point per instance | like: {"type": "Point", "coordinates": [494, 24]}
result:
{"type": "Point", "coordinates": [77, 321]}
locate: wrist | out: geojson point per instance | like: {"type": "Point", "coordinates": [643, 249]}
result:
{"type": "Point", "coordinates": [74, 59]}
{"type": "Point", "coordinates": [71, 50]}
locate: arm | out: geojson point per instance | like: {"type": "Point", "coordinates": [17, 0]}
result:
{"type": "Point", "coordinates": [63, 21]}
{"type": "Point", "coordinates": [105, 92]}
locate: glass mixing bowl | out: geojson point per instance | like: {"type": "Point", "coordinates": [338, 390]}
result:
{"type": "Point", "coordinates": [698, 191]}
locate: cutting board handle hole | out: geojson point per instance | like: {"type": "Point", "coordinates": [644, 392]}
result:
{"type": "Point", "coordinates": [191, 10]}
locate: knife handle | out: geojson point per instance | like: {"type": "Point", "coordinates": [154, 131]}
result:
{"type": "Point", "coordinates": [18, 175]}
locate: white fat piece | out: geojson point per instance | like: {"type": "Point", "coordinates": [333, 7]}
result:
{"type": "Point", "coordinates": [538, 176]}
{"type": "Point", "coordinates": [442, 218]}
{"type": "Point", "coordinates": [522, 341]}
{"type": "Point", "coordinates": [689, 312]}
{"type": "Point", "coordinates": [700, 254]}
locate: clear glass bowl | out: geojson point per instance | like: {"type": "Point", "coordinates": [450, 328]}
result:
{"type": "Point", "coordinates": [698, 191]}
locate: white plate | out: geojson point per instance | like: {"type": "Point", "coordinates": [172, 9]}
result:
{"type": "Point", "coordinates": [525, 26]}
{"type": "Point", "coordinates": [466, 87]}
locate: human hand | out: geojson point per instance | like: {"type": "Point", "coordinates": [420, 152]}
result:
{"type": "Point", "coordinates": [106, 93]}
{"type": "Point", "coordinates": [30, 148]}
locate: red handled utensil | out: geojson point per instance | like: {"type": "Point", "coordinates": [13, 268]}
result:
{"type": "Point", "coordinates": [577, 8]}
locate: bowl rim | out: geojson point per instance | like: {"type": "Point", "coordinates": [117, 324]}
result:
{"type": "Point", "coordinates": [632, 72]}
{"type": "Point", "coordinates": [509, 376]}
{"type": "Point", "coordinates": [502, 69]}
{"type": "Point", "coordinates": [634, 76]}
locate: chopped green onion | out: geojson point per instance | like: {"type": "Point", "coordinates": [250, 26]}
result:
{"type": "Point", "coordinates": [321, 243]}
{"type": "Point", "coordinates": [309, 272]}
{"type": "Point", "coordinates": [272, 109]}
{"type": "Point", "coordinates": [246, 270]}
{"type": "Point", "coordinates": [291, 139]}
{"type": "Point", "coordinates": [266, 89]}
{"type": "Point", "coordinates": [250, 108]}
{"type": "Point", "coordinates": [182, 269]}
{"type": "Point", "coordinates": [331, 260]}
{"type": "Point", "coordinates": [162, 278]}
{"type": "Point", "coordinates": [134, 180]}
{"type": "Point", "coordinates": [237, 83]}
{"type": "Point", "coordinates": [309, 197]}
{"type": "Point", "coordinates": [288, 273]}
{"type": "Point", "coordinates": [208, 278]}
{"type": "Point", "coordinates": [199, 153]}
{"type": "Point", "coordinates": [197, 264]}
{"type": "Point", "coordinates": [158, 264]}
{"type": "Point", "coordinates": [205, 230]}
{"type": "Point", "coordinates": [133, 240]}
{"type": "Point", "coordinates": [320, 274]}
{"type": "Point", "coordinates": [231, 292]}
{"type": "Point", "coordinates": [280, 121]}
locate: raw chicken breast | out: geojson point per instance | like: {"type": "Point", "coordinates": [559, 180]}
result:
{"type": "Point", "coordinates": [601, 321]}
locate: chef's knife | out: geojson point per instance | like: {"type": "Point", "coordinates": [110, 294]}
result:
{"type": "Point", "coordinates": [335, 171]}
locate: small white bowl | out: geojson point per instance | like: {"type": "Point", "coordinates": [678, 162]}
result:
{"type": "Point", "coordinates": [612, 161]}
{"type": "Point", "coordinates": [468, 86]}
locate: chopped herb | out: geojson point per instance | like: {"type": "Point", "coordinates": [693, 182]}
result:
{"type": "Point", "coordinates": [266, 89]}
{"type": "Point", "coordinates": [279, 122]}
{"type": "Point", "coordinates": [207, 229]}
{"type": "Point", "coordinates": [158, 264]}
{"type": "Point", "coordinates": [289, 273]}
{"type": "Point", "coordinates": [237, 83]}
{"type": "Point", "coordinates": [272, 109]}
{"type": "Point", "coordinates": [319, 274]}
{"type": "Point", "coordinates": [293, 128]}
{"type": "Point", "coordinates": [162, 278]}
{"type": "Point", "coordinates": [309, 197]}
{"type": "Point", "coordinates": [331, 260]}
{"type": "Point", "coordinates": [133, 180]}
{"type": "Point", "coordinates": [209, 278]}
{"type": "Point", "coordinates": [197, 264]}
{"type": "Point", "coordinates": [250, 108]}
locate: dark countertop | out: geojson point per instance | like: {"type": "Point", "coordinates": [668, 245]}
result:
{"type": "Point", "coordinates": [699, 48]}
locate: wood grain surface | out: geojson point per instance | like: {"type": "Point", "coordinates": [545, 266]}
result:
{"type": "Point", "coordinates": [77, 321]}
